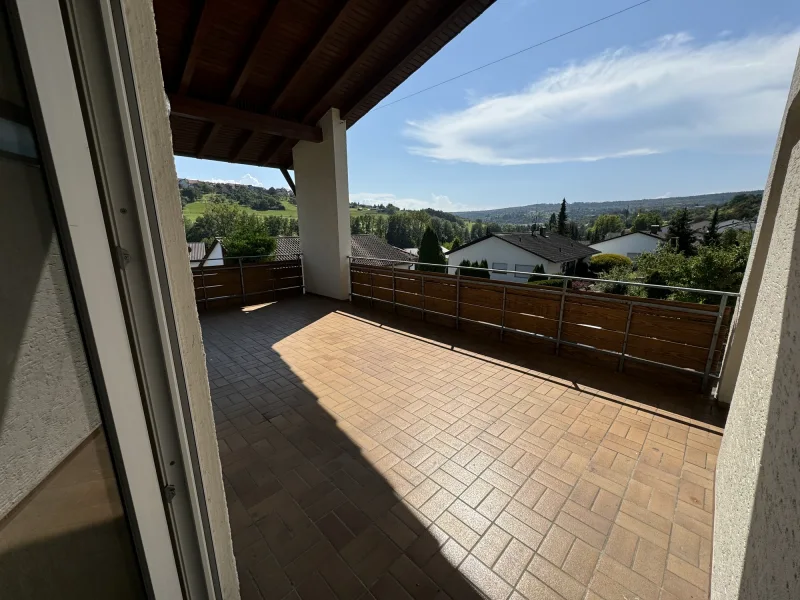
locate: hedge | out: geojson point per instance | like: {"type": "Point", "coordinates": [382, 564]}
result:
{"type": "Point", "coordinates": [605, 262]}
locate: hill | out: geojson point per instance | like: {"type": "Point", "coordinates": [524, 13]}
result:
{"type": "Point", "coordinates": [583, 211]}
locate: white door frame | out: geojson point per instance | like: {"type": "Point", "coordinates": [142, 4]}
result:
{"type": "Point", "coordinates": [45, 57]}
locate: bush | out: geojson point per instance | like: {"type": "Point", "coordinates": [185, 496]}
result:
{"type": "Point", "coordinates": [553, 282]}
{"type": "Point", "coordinates": [602, 263]}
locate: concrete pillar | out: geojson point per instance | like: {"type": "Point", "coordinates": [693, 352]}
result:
{"type": "Point", "coordinates": [756, 548]}
{"type": "Point", "coordinates": [323, 208]}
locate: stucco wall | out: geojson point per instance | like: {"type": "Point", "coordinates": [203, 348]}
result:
{"type": "Point", "coordinates": [633, 243]}
{"type": "Point", "coordinates": [47, 403]}
{"type": "Point", "coordinates": [158, 139]}
{"type": "Point", "coordinates": [756, 540]}
{"type": "Point", "coordinates": [495, 250]}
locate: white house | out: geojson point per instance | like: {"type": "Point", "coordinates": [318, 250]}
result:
{"type": "Point", "coordinates": [522, 252]}
{"type": "Point", "coordinates": [630, 244]}
{"type": "Point", "coordinates": [198, 256]}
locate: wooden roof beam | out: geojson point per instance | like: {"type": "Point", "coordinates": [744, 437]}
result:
{"type": "Point", "coordinates": [233, 117]}
{"type": "Point", "coordinates": [416, 42]}
{"type": "Point", "coordinates": [200, 23]}
{"type": "Point", "coordinates": [270, 154]}
{"type": "Point", "coordinates": [289, 76]}
{"type": "Point", "coordinates": [242, 73]}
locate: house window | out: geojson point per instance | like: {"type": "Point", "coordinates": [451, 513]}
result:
{"type": "Point", "coordinates": [502, 267]}
{"type": "Point", "coordinates": [524, 269]}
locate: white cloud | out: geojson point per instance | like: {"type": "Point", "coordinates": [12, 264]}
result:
{"type": "Point", "coordinates": [245, 179]}
{"type": "Point", "coordinates": [436, 201]}
{"type": "Point", "coordinates": [724, 96]}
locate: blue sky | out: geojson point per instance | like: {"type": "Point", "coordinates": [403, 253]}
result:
{"type": "Point", "coordinates": [673, 98]}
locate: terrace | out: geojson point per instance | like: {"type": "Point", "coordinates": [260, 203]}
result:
{"type": "Point", "coordinates": [367, 455]}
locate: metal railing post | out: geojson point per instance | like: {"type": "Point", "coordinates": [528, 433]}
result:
{"type": "Point", "coordinates": [458, 298]}
{"type": "Point", "coordinates": [561, 315]}
{"type": "Point", "coordinates": [625, 339]}
{"type": "Point", "coordinates": [205, 291]}
{"type": "Point", "coordinates": [241, 279]}
{"type": "Point", "coordinates": [503, 315]}
{"type": "Point", "coordinates": [423, 296]}
{"type": "Point", "coordinates": [302, 272]}
{"type": "Point", "coordinates": [394, 287]}
{"type": "Point", "coordinates": [717, 326]}
{"type": "Point", "coordinates": [371, 289]}
{"type": "Point", "coordinates": [350, 275]}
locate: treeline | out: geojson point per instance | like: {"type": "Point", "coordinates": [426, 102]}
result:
{"type": "Point", "coordinates": [251, 196]}
{"type": "Point", "coordinates": [585, 212]}
{"type": "Point", "coordinates": [405, 228]}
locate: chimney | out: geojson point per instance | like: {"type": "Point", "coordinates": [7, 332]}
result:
{"type": "Point", "coordinates": [655, 229]}
{"type": "Point", "coordinates": [541, 231]}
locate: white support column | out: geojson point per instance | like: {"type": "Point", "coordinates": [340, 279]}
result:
{"type": "Point", "coordinates": [323, 208]}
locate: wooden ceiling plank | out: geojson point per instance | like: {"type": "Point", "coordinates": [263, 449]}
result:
{"type": "Point", "coordinates": [291, 74]}
{"type": "Point", "coordinates": [200, 23]}
{"type": "Point", "coordinates": [416, 43]}
{"type": "Point", "coordinates": [271, 153]}
{"type": "Point", "coordinates": [243, 70]}
{"type": "Point", "coordinates": [401, 13]}
{"type": "Point", "coordinates": [250, 54]}
{"type": "Point", "coordinates": [229, 116]}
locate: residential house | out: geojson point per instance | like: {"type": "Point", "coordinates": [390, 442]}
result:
{"type": "Point", "coordinates": [200, 257]}
{"type": "Point", "coordinates": [362, 245]}
{"type": "Point", "coordinates": [522, 252]}
{"type": "Point", "coordinates": [629, 244]}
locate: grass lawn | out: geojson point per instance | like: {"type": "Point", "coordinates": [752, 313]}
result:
{"type": "Point", "coordinates": [195, 209]}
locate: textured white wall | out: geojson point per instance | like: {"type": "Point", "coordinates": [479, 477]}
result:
{"type": "Point", "coordinates": [47, 403]}
{"type": "Point", "coordinates": [756, 541]}
{"type": "Point", "coordinates": [323, 208]}
{"type": "Point", "coordinates": [633, 243]}
{"type": "Point", "coordinates": [158, 139]}
{"type": "Point", "coordinates": [495, 250]}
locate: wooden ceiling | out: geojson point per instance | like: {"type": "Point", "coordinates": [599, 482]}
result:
{"type": "Point", "coordinates": [247, 79]}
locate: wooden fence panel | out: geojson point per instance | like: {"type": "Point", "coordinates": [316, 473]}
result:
{"type": "Point", "coordinates": [585, 311]}
{"type": "Point", "coordinates": [657, 332]}
{"type": "Point", "coordinates": [263, 279]}
{"type": "Point", "coordinates": [490, 297]}
{"type": "Point", "coordinates": [590, 335]}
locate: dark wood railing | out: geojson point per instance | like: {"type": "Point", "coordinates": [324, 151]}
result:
{"type": "Point", "coordinates": [243, 281]}
{"type": "Point", "coordinates": [626, 332]}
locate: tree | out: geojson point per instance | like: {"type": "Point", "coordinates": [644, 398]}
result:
{"type": "Point", "coordinates": [603, 225]}
{"type": "Point", "coordinates": [456, 243]}
{"type": "Point", "coordinates": [430, 251]}
{"type": "Point", "coordinates": [605, 262]}
{"type": "Point", "coordinates": [643, 221]}
{"type": "Point", "coordinates": [562, 218]}
{"type": "Point", "coordinates": [711, 235]}
{"type": "Point", "coordinates": [553, 222]}
{"type": "Point", "coordinates": [249, 243]}
{"type": "Point", "coordinates": [680, 230]}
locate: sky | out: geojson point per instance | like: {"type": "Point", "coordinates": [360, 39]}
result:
{"type": "Point", "coordinates": [673, 98]}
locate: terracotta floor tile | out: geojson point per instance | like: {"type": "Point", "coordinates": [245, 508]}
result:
{"type": "Point", "coordinates": [364, 462]}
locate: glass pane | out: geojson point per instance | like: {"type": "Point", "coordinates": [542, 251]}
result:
{"type": "Point", "coordinates": [63, 530]}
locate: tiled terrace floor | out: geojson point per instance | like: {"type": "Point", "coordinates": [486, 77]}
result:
{"type": "Point", "coordinates": [363, 461]}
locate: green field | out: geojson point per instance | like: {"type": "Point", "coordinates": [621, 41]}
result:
{"type": "Point", "coordinates": [195, 209]}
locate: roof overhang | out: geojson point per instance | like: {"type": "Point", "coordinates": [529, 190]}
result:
{"type": "Point", "coordinates": [248, 79]}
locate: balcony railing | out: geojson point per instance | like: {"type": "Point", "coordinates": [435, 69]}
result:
{"type": "Point", "coordinates": [681, 336]}
{"type": "Point", "coordinates": [248, 279]}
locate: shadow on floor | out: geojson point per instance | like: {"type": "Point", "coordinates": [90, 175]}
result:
{"type": "Point", "coordinates": [310, 517]}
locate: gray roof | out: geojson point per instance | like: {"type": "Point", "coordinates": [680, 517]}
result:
{"type": "Point", "coordinates": [197, 251]}
{"type": "Point", "coordinates": [551, 246]}
{"type": "Point", "coordinates": [361, 246]}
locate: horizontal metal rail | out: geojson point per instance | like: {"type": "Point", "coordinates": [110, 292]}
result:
{"type": "Point", "coordinates": [549, 276]}
{"type": "Point", "coordinates": [562, 292]}
{"type": "Point", "coordinates": [548, 338]}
